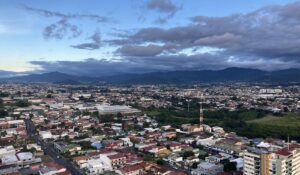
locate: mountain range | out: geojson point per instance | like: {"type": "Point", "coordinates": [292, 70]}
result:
{"type": "Point", "coordinates": [229, 75]}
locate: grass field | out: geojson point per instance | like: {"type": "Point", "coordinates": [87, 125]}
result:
{"type": "Point", "coordinates": [291, 120]}
{"type": "Point", "coordinates": [248, 123]}
{"type": "Point", "coordinates": [273, 126]}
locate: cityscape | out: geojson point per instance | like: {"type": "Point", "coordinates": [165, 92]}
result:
{"type": "Point", "coordinates": [149, 87]}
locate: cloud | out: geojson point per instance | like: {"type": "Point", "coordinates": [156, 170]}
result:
{"type": "Point", "coordinates": [5, 74]}
{"type": "Point", "coordinates": [163, 6]}
{"type": "Point", "coordinates": [63, 27]}
{"type": "Point", "coordinates": [131, 50]}
{"type": "Point", "coordinates": [93, 45]}
{"type": "Point", "coordinates": [99, 67]}
{"type": "Point", "coordinates": [60, 29]}
{"type": "Point", "coordinates": [48, 13]}
{"type": "Point", "coordinates": [265, 36]}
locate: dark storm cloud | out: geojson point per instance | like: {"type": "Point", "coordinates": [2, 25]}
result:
{"type": "Point", "coordinates": [94, 44]}
{"type": "Point", "coordinates": [91, 67]}
{"type": "Point", "coordinates": [144, 51]}
{"type": "Point", "coordinates": [63, 27]}
{"type": "Point", "coordinates": [95, 67]}
{"type": "Point", "coordinates": [166, 7]}
{"type": "Point", "coordinates": [268, 34]}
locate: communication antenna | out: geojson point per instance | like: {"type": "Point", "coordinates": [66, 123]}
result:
{"type": "Point", "coordinates": [288, 142]}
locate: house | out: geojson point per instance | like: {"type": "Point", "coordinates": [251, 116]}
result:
{"type": "Point", "coordinates": [63, 147]}
{"type": "Point", "coordinates": [52, 168]}
{"type": "Point", "coordinates": [207, 168]}
{"type": "Point", "coordinates": [169, 135]}
{"type": "Point", "coordinates": [177, 147]}
{"type": "Point", "coordinates": [81, 161]}
{"type": "Point", "coordinates": [8, 150]}
{"type": "Point", "coordinates": [97, 166]}
{"type": "Point", "coordinates": [131, 170]}
{"type": "Point", "coordinates": [25, 156]}
{"type": "Point", "coordinates": [157, 151]}
{"type": "Point", "coordinates": [45, 135]}
{"type": "Point", "coordinates": [117, 160]}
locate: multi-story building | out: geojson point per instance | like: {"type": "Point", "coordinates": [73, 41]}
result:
{"type": "Point", "coordinates": [285, 161]}
{"type": "Point", "coordinates": [252, 162]}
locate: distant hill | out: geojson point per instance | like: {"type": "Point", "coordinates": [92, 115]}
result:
{"type": "Point", "coordinates": [208, 76]}
{"type": "Point", "coordinates": [51, 77]}
{"type": "Point", "coordinates": [170, 77]}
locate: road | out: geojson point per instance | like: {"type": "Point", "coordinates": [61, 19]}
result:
{"type": "Point", "coordinates": [49, 149]}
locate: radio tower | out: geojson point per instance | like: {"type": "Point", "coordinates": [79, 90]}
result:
{"type": "Point", "coordinates": [201, 117]}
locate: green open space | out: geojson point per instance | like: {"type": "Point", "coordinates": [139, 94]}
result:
{"type": "Point", "coordinates": [249, 123]}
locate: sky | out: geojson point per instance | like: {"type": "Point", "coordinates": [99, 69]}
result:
{"type": "Point", "coordinates": [99, 38]}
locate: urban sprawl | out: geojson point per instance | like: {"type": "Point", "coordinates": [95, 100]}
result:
{"type": "Point", "coordinates": [219, 129]}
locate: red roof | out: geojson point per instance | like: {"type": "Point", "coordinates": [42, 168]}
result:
{"type": "Point", "coordinates": [177, 173]}
{"type": "Point", "coordinates": [230, 173]}
{"type": "Point", "coordinates": [64, 173]}
{"type": "Point", "coordinates": [79, 158]}
{"type": "Point", "coordinates": [287, 150]}
{"type": "Point", "coordinates": [55, 165]}
{"type": "Point", "coordinates": [131, 168]}
{"type": "Point", "coordinates": [116, 156]}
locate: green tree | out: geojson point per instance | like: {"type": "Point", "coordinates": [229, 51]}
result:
{"type": "Point", "coordinates": [229, 166]}
{"type": "Point", "coordinates": [160, 161]}
{"type": "Point", "coordinates": [195, 165]}
{"type": "Point", "coordinates": [22, 103]}
{"type": "Point", "coordinates": [3, 133]}
{"type": "Point", "coordinates": [187, 154]}
{"type": "Point", "coordinates": [146, 125]}
{"type": "Point", "coordinates": [3, 113]}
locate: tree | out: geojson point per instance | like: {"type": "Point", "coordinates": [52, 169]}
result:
{"type": "Point", "coordinates": [187, 154]}
{"type": "Point", "coordinates": [22, 103]}
{"type": "Point", "coordinates": [3, 113]}
{"type": "Point", "coordinates": [229, 166]}
{"type": "Point", "coordinates": [4, 94]}
{"type": "Point", "coordinates": [203, 156]}
{"type": "Point", "coordinates": [119, 115]}
{"type": "Point", "coordinates": [146, 125]}
{"type": "Point", "coordinates": [3, 133]}
{"type": "Point", "coordinates": [160, 161]}
{"type": "Point", "coordinates": [95, 114]}
{"type": "Point", "coordinates": [195, 165]}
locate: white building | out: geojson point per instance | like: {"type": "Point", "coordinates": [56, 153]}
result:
{"type": "Point", "coordinates": [45, 135]}
{"type": "Point", "coordinates": [8, 150]}
{"type": "Point", "coordinates": [99, 165]}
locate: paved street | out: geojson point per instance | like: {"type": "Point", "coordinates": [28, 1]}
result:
{"type": "Point", "coordinates": [49, 149]}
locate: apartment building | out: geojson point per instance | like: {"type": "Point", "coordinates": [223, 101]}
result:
{"type": "Point", "coordinates": [285, 161]}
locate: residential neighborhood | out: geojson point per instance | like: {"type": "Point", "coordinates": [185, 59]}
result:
{"type": "Point", "coordinates": [61, 129]}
